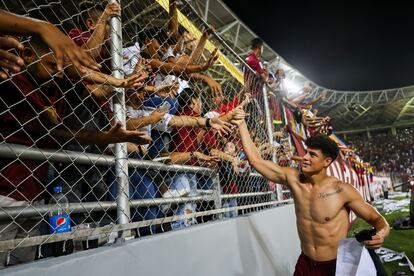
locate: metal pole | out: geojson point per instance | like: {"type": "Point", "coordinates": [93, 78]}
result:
{"type": "Point", "coordinates": [270, 134]}
{"type": "Point", "coordinates": [14, 151]}
{"type": "Point", "coordinates": [267, 115]}
{"type": "Point", "coordinates": [206, 10]}
{"type": "Point", "coordinates": [17, 212]}
{"type": "Point", "coordinates": [290, 136]}
{"type": "Point", "coordinates": [121, 165]}
{"type": "Point", "coordinates": [286, 122]}
{"type": "Point", "coordinates": [12, 213]}
{"type": "Point", "coordinates": [217, 194]}
{"type": "Point", "coordinates": [236, 39]}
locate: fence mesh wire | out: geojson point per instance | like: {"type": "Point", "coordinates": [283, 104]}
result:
{"type": "Point", "coordinates": [59, 129]}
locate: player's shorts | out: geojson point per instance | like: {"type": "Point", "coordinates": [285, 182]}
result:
{"type": "Point", "coordinates": [305, 266]}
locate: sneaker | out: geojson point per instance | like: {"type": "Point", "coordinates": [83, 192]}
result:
{"type": "Point", "coordinates": [393, 257]}
{"type": "Point", "coordinates": [172, 194]}
{"type": "Point", "coordinates": [381, 251]}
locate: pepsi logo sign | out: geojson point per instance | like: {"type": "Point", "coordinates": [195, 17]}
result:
{"type": "Point", "coordinates": [60, 221]}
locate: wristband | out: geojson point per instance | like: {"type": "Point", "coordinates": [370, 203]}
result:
{"type": "Point", "coordinates": [208, 124]}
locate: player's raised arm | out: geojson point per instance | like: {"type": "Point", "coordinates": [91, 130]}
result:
{"type": "Point", "coordinates": [267, 168]}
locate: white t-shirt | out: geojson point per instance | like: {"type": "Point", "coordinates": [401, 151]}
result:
{"type": "Point", "coordinates": [162, 125]}
{"type": "Point", "coordinates": [161, 79]}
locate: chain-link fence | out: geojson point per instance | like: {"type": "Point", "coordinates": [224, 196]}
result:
{"type": "Point", "coordinates": [134, 149]}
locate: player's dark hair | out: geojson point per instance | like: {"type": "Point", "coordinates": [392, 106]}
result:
{"type": "Point", "coordinates": [326, 145]}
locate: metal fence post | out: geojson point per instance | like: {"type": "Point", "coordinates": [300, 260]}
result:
{"type": "Point", "coordinates": [286, 122]}
{"type": "Point", "coordinates": [217, 194]}
{"type": "Point", "coordinates": [267, 115]}
{"type": "Point", "coordinates": [270, 134]}
{"type": "Point", "coordinates": [121, 165]}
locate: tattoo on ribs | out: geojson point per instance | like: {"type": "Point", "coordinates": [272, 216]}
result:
{"type": "Point", "coordinates": [337, 191]}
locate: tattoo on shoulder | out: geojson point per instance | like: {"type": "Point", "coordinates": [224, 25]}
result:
{"type": "Point", "coordinates": [338, 190]}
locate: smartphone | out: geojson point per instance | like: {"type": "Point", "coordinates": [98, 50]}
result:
{"type": "Point", "coordinates": [165, 107]}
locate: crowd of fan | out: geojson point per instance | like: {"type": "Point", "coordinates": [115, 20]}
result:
{"type": "Point", "coordinates": [57, 92]}
{"type": "Point", "coordinates": [387, 152]}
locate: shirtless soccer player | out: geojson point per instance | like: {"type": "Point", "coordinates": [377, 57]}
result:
{"type": "Point", "coordinates": [322, 203]}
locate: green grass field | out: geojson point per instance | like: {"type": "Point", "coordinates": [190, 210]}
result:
{"type": "Point", "coordinates": [399, 240]}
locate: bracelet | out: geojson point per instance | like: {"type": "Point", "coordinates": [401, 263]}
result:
{"type": "Point", "coordinates": [208, 124]}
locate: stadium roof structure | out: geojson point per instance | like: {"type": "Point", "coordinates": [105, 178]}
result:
{"type": "Point", "coordinates": [351, 111]}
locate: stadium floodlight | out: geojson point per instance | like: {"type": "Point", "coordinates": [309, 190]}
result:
{"type": "Point", "coordinates": [292, 87]}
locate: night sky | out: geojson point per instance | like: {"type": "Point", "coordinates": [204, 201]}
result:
{"type": "Point", "coordinates": [339, 45]}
